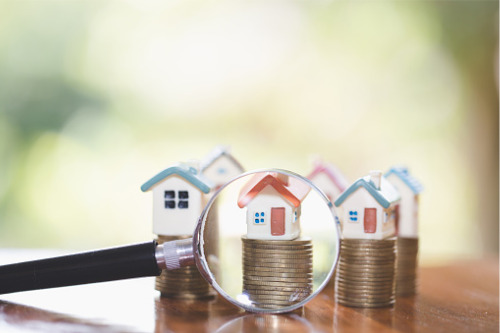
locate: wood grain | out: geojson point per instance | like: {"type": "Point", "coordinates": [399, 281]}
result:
{"type": "Point", "coordinates": [461, 297]}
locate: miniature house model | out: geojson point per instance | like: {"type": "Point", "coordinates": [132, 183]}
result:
{"type": "Point", "coordinates": [220, 166]}
{"type": "Point", "coordinates": [273, 204]}
{"type": "Point", "coordinates": [369, 208]}
{"type": "Point", "coordinates": [328, 179]}
{"type": "Point", "coordinates": [409, 189]}
{"type": "Point", "coordinates": [178, 199]}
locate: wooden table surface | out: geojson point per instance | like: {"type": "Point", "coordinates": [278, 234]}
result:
{"type": "Point", "coordinates": [460, 297]}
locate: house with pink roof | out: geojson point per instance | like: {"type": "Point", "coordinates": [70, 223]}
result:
{"type": "Point", "coordinates": [273, 203]}
{"type": "Point", "coordinates": [329, 179]}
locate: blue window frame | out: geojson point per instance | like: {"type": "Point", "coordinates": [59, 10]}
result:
{"type": "Point", "coordinates": [353, 215]}
{"type": "Point", "coordinates": [259, 218]}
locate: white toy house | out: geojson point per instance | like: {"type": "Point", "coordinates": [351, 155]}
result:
{"type": "Point", "coordinates": [329, 179]}
{"type": "Point", "coordinates": [369, 208]}
{"type": "Point", "coordinates": [178, 199]}
{"type": "Point", "coordinates": [220, 166]}
{"type": "Point", "coordinates": [273, 204]}
{"type": "Point", "coordinates": [409, 189]}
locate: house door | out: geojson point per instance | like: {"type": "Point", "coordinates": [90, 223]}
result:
{"type": "Point", "coordinates": [277, 221]}
{"type": "Point", "coordinates": [370, 221]}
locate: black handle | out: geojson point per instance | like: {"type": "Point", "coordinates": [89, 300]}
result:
{"type": "Point", "coordinates": [95, 266]}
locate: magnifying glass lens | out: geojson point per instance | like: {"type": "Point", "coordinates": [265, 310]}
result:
{"type": "Point", "coordinates": [268, 241]}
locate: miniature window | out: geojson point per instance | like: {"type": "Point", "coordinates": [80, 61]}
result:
{"type": "Point", "coordinates": [353, 215]}
{"type": "Point", "coordinates": [169, 199]}
{"type": "Point", "coordinates": [183, 200]}
{"type": "Point", "coordinates": [221, 171]}
{"type": "Point", "coordinates": [294, 216]}
{"type": "Point", "coordinates": [259, 218]}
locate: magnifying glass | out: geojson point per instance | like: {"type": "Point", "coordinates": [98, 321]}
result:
{"type": "Point", "coordinates": [267, 241]}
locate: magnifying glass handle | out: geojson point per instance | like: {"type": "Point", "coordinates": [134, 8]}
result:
{"type": "Point", "coordinates": [138, 260]}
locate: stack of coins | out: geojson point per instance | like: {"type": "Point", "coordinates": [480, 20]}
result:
{"type": "Point", "coordinates": [406, 266]}
{"type": "Point", "coordinates": [277, 273]}
{"type": "Point", "coordinates": [365, 273]}
{"type": "Point", "coordinates": [185, 282]}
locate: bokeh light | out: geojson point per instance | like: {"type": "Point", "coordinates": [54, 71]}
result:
{"type": "Point", "coordinates": [96, 97]}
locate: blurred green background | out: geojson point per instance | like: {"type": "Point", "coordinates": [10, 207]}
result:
{"type": "Point", "coordinates": [98, 96]}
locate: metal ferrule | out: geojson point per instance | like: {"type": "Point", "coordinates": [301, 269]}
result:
{"type": "Point", "coordinates": [175, 254]}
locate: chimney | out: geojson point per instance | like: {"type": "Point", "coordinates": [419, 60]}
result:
{"type": "Point", "coordinates": [193, 165]}
{"type": "Point", "coordinates": [375, 177]}
{"type": "Point", "coordinates": [282, 178]}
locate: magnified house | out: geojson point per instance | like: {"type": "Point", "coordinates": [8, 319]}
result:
{"type": "Point", "coordinates": [369, 208]}
{"type": "Point", "coordinates": [178, 199]}
{"type": "Point", "coordinates": [273, 203]}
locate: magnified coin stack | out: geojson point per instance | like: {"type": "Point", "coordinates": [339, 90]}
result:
{"type": "Point", "coordinates": [365, 273]}
{"type": "Point", "coordinates": [277, 273]}
{"type": "Point", "coordinates": [406, 266]}
{"type": "Point", "coordinates": [185, 282]}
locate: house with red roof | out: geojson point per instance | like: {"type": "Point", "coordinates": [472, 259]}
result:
{"type": "Point", "coordinates": [273, 202]}
{"type": "Point", "coordinates": [329, 179]}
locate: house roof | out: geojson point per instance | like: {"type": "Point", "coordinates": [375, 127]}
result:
{"type": "Point", "coordinates": [217, 153]}
{"type": "Point", "coordinates": [403, 174]}
{"type": "Point", "coordinates": [331, 172]}
{"type": "Point", "coordinates": [185, 171]}
{"type": "Point", "coordinates": [294, 192]}
{"type": "Point", "coordinates": [386, 195]}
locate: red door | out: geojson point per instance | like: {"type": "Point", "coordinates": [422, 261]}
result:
{"type": "Point", "coordinates": [370, 220]}
{"type": "Point", "coordinates": [277, 221]}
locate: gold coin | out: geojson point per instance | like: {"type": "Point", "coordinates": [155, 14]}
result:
{"type": "Point", "coordinates": [250, 288]}
{"type": "Point", "coordinates": [300, 284]}
{"type": "Point", "coordinates": [276, 279]}
{"type": "Point", "coordinates": [278, 264]}
{"type": "Point", "coordinates": [278, 253]}
{"type": "Point", "coordinates": [271, 260]}
{"type": "Point", "coordinates": [289, 298]}
{"type": "Point", "coordinates": [249, 258]}
{"type": "Point", "coordinates": [374, 244]}
{"type": "Point", "coordinates": [280, 275]}
{"type": "Point", "coordinates": [362, 304]}
{"type": "Point", "coordinates": [376, 269]}
{"type": "Point", "coordinates": [364, 300]}
{"type": "Point", "coordinates": [259, 271]}
{"type": "Point", "coordinates": [279, 249]}
{"type": "Point", "coordinates": [361, 279]}
{"type": "Point", "coordinates": [264, 271]}
{"type": "Point", "coordinates": [367, 256]}
{"type": "Point", "coordinates": [300, 241]}
{"type": "Point", "coordinates": [262, 292]}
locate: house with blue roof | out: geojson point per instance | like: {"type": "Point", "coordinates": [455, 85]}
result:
{"type": "Point", "coordinates": [179, 196]}
{"type": "Point", "coordinates": [409, 188]}
{"type": "Point", "coordinates": [368, 208]}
